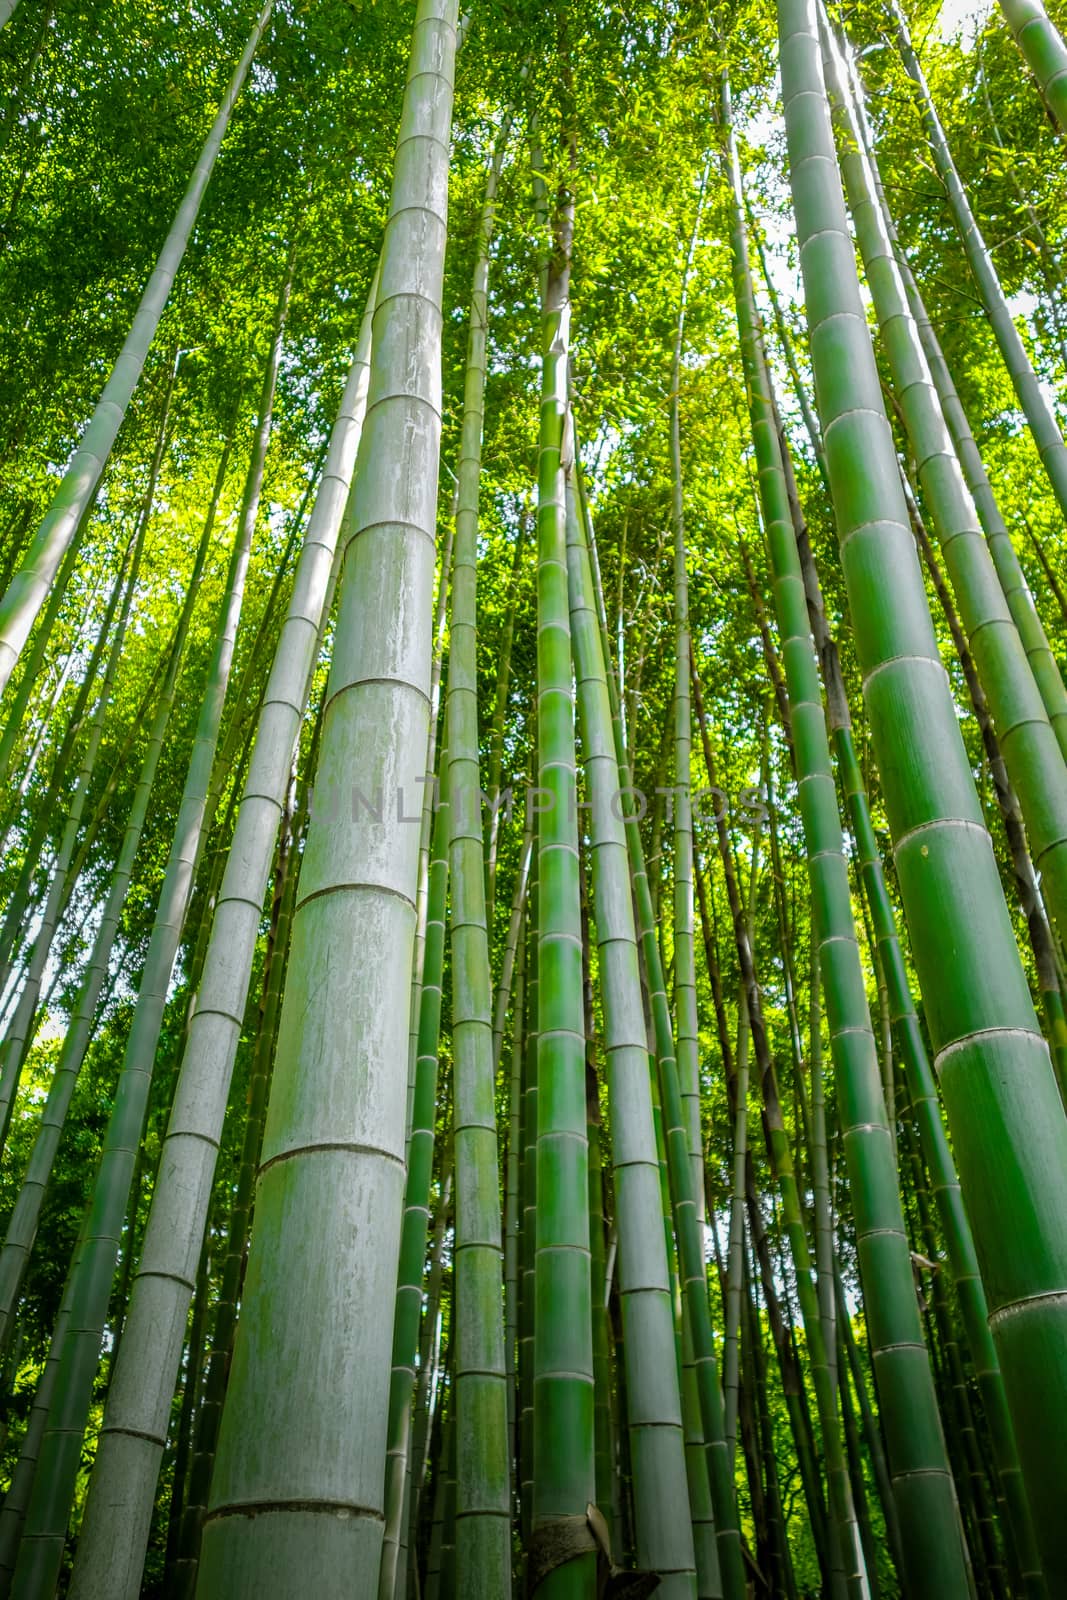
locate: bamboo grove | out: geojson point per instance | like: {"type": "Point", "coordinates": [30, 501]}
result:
{"type": "Point", "coordinates": [533, 833]}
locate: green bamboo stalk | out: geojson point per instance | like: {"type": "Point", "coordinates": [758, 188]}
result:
{"type": "Point", "coordinates": [1035, 405]}
{"type": "Point", "coordinates": [691, 1263]}
{"type": "Point", "coordinates": [46, 1520]}
{"type": "Point", "coordinates": [918, 1463]}
{"type": "Point", "coordinates": [564, 1481]}
{"type": "Point", "coordinates": [686, 1024]}
{"type": "Point", "coordinates": [1009, 569]}
{"type": "Point", "coordinates": [736, 1256]}
{"type": "Point", "coordinates": [1022, 867]}
{"type": "Point", "coordinates": [528, 1215]}
{"type": "Point", "coordinates": [891, 966]}
{"type": "Point", "coordinates": [429, 799]}
{"type": "Point", "coordinates": [604, 1452]}
{"type": "Point", "coordinates": [320, 1273]}
{"type": "Point", "coordinates": [1047, 567]}
{"type": "Point", "coordinates": [19, 1032]}
{"type": "Point", "coordinates": [993, 1063]}
{"type": "Point", "coordinates": [512, 944]}
{"type": "Point", "coordinates": [753, 1443]}
{"type": "Point", "coordinates": [431, 1358]}
{"type": "Point", "coordinates": [820, 1166]}
{"type": "Point", "coordinates": [859, 1486]}
{"type": "Point", "coordinates": [730, 1363]}
{"type": "Point", "coordinates": [662, 1529]}
{"type": "Point", "coordinates": [793, 1389]}
{"type": "Point", "coordinates": [512, 1192]}
{"type": "Point", "coordinates": [59, 775]}
{"type": "Point", "coordinates": [1026, 738]}
{"type": "Point", "coordinates": [971, 1481]}
{"type": "Point", "coordinates": [29, 588]}
{"type": "Point", "coordinates": [416, 1220]}
{"type": "Point", "coordinates": [500, 707]}
{"type": "Point", "coordinates": [483, 1498]}
{"type": "Point", "coordinates": [1045, 52]}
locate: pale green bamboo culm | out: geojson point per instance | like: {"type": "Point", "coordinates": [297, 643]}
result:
{"type": "Point", "coordinates": [1007, 1122]}
{"type": "Point", "coordinates": [30, 585]}
{"type": "Point", "coordinates": [483, 1491]}
{"type": "Point", "coordinates": [7, 7]}
{"type": "Point", "coordinates": [297, 1493]}
{"type": "Point", "coordinates": [692, 1267]}
{"type": "Point", "coordinates": [1045, 52]}
{"type": "Point", "coordinates": [118, 1511]}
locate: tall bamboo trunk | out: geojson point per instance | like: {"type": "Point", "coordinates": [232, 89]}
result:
{"type": "Point", "coordinates": [676, 1140]}
{"type": "Point", "coordinates": [994, 1067]}
{"type": "Point", "coordinates": [483, 1493]}
{"type": "Point", "coordinates": [322, 1261]}
{"type": "Point", "coordinates": [1026, 737]}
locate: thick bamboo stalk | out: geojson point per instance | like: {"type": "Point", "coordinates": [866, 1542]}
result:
{"type": "Point", "coordinates": [31, 584]}
{"type": "Point", "coordinates": [500, 708]}
{"type": "Point", "coordinates": [918, 1073]}
{"type": "Point", "coordinates": [919, 1467]}
{"type": "Point", "coordinates": [322, 1260]}
{"type": "Point", "coordinates": [564, 1479]}
{"type": "Point", "coordinates": [1026, 737]}
{"type": "Point", "coordinates": [1045, 52]}
{"type": "Point", "coordinates": [993, 1063]}
{"type": "Point", "coordinates": [1022, 867]}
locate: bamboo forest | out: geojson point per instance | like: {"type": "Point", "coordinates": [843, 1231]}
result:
{"type": "Point", "coordinates": [533, 799]}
